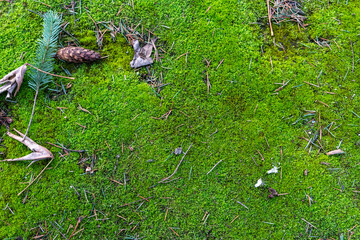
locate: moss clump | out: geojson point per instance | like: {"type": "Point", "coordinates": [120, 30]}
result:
{"type": "Point", "coordinates": [240, 116]}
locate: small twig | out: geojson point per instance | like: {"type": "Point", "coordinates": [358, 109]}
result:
{"type": "Point", "coordinates": [166, 213]}
{"type": "Point", "coordinates": [45, 4]}
{"type": "Point", "coordinates": [269, 15]}
{"type": "Point", "coordinates": [115, 181]}
{"type": "Point", "coordinates": [311, 84]}
{"type": "Point", "coordinates": [77, 224]}
{"type": "Point", "coordinates": [167, 178]}
{"type": "Point", "coordinates": [36, 177]}
{"type": "Point", "coordinates": [242, 204]}
{"type": "Point", "coordinates": [319, 77]}
{"type": "Point", "coordinates": [308, 223]}
{"type": "Point", "coordinates": [181, 55]}
{"type": "Point", "coordinates": [55, 75]}
{"type": "Point", "coordinates": [220, 63]}
{"type": "Point", "coordinates": [208, 82]}
{"type": "Point", "coordinates": [66, 149]}
{"type": "Point", "coordinates": [174, 232]}
{"type": "Point", "coordinates": [261, 155]}
{"type": "Point", "coordinates": [214, 166]}
{"type": "Point", "coordinates": [234, 219]}
{"type": "Point", "coordinates": [208, 9]}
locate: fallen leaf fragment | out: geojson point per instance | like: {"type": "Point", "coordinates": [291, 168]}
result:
{"type": "Point", "coordinates": [142, 55]}
{"type": "Point", "coordinates": [39, 152]}
{"type": "Point", "coordinates": [11, 82]}
{"type": "Point", "coordinates": [273, 170]}
{"type": "Point", "coordinates": [334, 152]}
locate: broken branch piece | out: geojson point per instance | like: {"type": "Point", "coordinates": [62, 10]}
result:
{"type": "Point", "coordinates": [39, 152]}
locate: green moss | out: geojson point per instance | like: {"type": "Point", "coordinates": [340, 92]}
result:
{"type": "Point", "coordinates": [240, 115]}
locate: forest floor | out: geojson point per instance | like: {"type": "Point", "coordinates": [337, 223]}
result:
{"type": "Point", "coordinates": [222, 88]}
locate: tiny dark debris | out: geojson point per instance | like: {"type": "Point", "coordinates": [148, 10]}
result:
{"type": "Point", "coordinates": [273, 193]}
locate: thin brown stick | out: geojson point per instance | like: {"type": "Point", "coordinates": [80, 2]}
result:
{"type": "Point", "coordinates": [174, 232]}
{"type": "Point", "coordinates": [32, 114]}
{"type": "Point", "coordinates": [208, 83]}
{"type": "Point", "coordinates": [77, 224]}
{"type": "Point", "coordinates": [46, 4]}
{"type": "Point", "coordinates": [311, 84]}
{"type": "Point", "coordinates": [55, 75]}
{"type": "Point", "coordinates": [167, 178]}
{"type": "Point", "coordinates": [115, 181]}
{"type": "Point", "coordinates": [234, 219]}
{"type": "Point", "coordinates": [261, 155]}
{"type": "Point", "coordinates": [65, 149]}
{"type": "Point", "coordinates": [36, 177]}
{"type": "Point", "coordinates": [166, 213]}
{"type": "Point", "coordinates": [181, 55]}
{"type": "Point", "coordinates": [269, 15]}
{"type": "Point", "coordinates": [220, 63]}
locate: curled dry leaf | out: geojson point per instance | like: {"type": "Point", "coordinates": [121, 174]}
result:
{"type": "Point", "coordinates": [142, 56]}
{"type": "Point", "coordinates": [334, 152]}
{"type": "Point", "coordinates": [11, 82]}
{"type": "Point", "coordinates": [38, 152]}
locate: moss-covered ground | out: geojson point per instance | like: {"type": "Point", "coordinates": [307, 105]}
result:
{"type": "Point", "coordinates": [126, 139]}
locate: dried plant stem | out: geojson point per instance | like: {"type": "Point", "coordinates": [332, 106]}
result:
{"type": "Point", "coordinates": [36, 177]}
{"type": "Point", "coordinates": [167, 178]}
{"type": "Point", "coordinates": [269, 15]}
{"type": "Point", "coordinates": [32, 113]}
{"type": "Point", "coordinates": [55, 75]}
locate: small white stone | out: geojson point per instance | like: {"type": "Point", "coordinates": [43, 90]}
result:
{"type": "Point", "coordinates": [273, 170]}
{"type": "Point", "coordinates": [259, 183]}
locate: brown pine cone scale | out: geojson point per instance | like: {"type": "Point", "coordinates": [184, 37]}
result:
{"type": "Point", "coordinates": [77, 54]}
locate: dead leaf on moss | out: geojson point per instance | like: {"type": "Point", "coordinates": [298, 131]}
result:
{"type": "Point", "coordinates": [142, 55]}
{"type": "Point", "coordinates": [334, 152]}
{"type": "Point", "coordinates": [11, 82]}
{"type": "Point", "coordinates": [38, 152]}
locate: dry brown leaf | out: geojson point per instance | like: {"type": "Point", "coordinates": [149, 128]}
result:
{"type": "Point", "coordinates": [334, 152]}
{"type": "Point", "coordinates": [39, 152]}
{"type": "Point", "coordinates": [142, 56]}
{"type": "Point", "coordinates": [12, 81]}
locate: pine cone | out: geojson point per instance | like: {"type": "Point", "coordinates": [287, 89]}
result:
{"type": "Point", "coordinates": [77, 55]}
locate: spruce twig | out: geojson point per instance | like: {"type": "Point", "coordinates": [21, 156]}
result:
{"type": "Point", "coordinates": [44, 56]}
